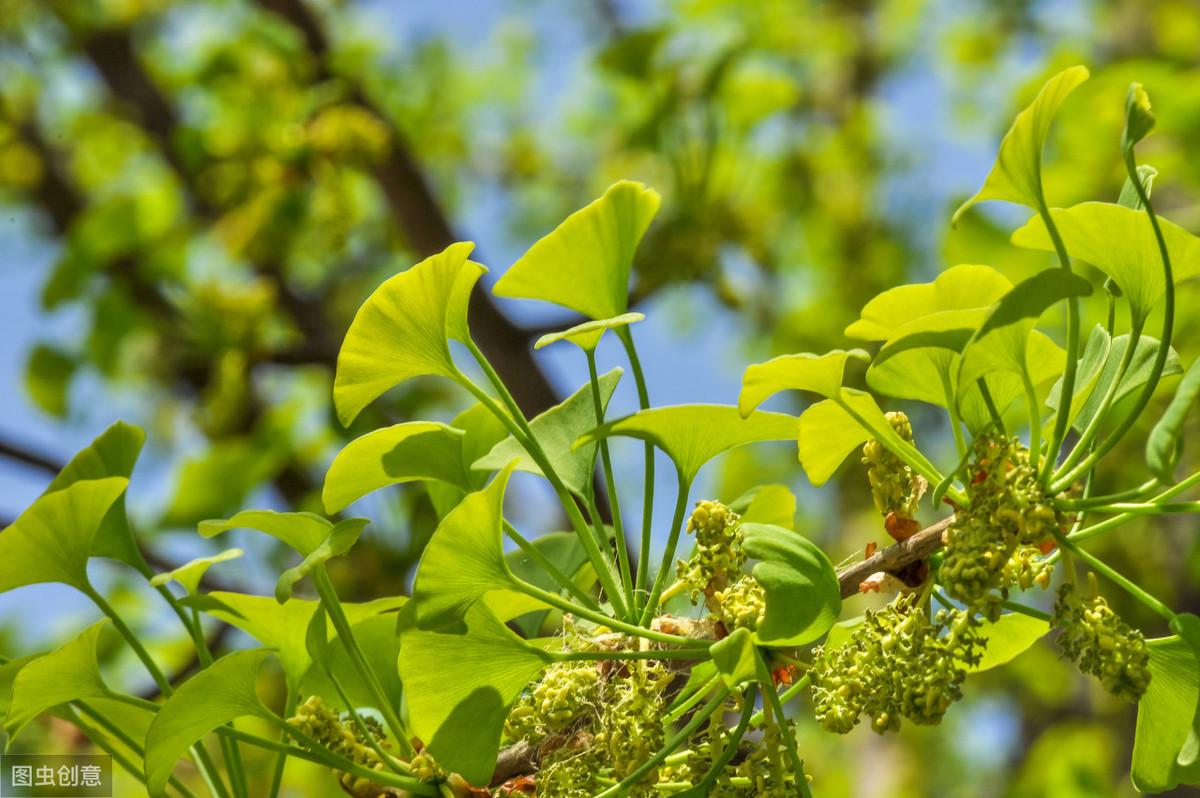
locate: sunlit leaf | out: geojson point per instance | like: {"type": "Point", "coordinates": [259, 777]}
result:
{"type": "Point", "coordinates": [113, 453]}
{"type": "Point", "coordinates": [767, 504]}
{"type": "Point", "coordinates": [1140, 369]}
{"type": "Point", "coordinates": [1017, 173]}
{"type": "Point", "coordinates": [52, 540]}
{"type": "Point", "coordinates": [821, 374]}
{"type": "Point", "coordinates": [828, 432]}
{"type": "Point", "coordinates": [459, 687]}
{"type": "Point", "coordinates": [190, 573]}
{"type": "Point", "coordinates": [404, 329]}
{"type": "Point", "coordinates": [216, 695]}
{"type": "Point", "coordinates": [1007, 638]}
{"type": "Point", "coordinates": [735, 657]}
{"type": "Point", "coordinates": [415, 450]}
{"type": "Point", "coordinates": [342, 537]}
{"type": "Point", "coordinates": [375, 634]}
{"type": "Point", "coordinates": [304, 532]}
{"type": "Point", "coordinates": [588, 334]}
{"type": "Point", "coordinates": [481, 431]}
{"type": "Point", "coordinates": [691, 435]}
{"type": "Point", "coordinates": [1032, 297]}
{"type": "Point", "coordinates": [464, 561]}
{"type": "Point", "coordinates": [584, 264]}
{"type": "Point", "coordinates": [1162, 445]}
{"type": "Point", "coordinates": [556, 430]}
{"type": "Point", "coordinates": [68, 673]}
{"type": "Point", "coordinates": [1091, 365]}
{"type": "Point", "coordinates": [803, 597]}
{"type": "Point", "coordinates": [1187, 626]}
{"type": "Point", "coordinates": [564, 551]}
{"type": "Point", "coordinates": [1165, 716]}
{"type": "Point", "coordinates": [960, 287]}
{"type": "Point", "coordinates": [1121, 243]}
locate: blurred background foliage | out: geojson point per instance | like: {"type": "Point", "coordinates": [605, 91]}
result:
{"type": "Point", "coordinates": [198, 194]}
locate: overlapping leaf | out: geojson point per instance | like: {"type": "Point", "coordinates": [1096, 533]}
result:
{"type": "Point", "coordinates": [404, 328]}
{"type": "Point", "coordinates": [556, 430]}
{"type": "Point", "coordinates": [190, 573]}
{"type": "Point", "coordinates": [584, 264]}
{"type": "Point", "coordinates": [304, 532]}
{"type": "Point", "coordinates": [1162, 445]}
{"type": "Point", "coordinates": [820, 374]}
{"type": "Point", "coordinates": [224, 691]}
{"type": "Point", "coordinates": [802, 593]}
{"type": "Point", "coordinates": [68, 673]}
{"type": "Point", "coordinates": [459, 687]}
{"type": "Point", "coordinates": [414, 450]}
{"type": "Point", "coordinates": [588, 334]}
{"type": "Point", "coordinates": [691, 435]}
{"type": "Point", "coordinates": [341, 538]}
{"type": "Point", "coordinates": [52, 540]}
{"type": "Point", "coordinates": [1165, 716]}
{"type": "Point", "coordinates": [1017, 174]}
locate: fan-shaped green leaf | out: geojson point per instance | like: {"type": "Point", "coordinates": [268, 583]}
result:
{"type": "Point", "coordinates": [415, 450]}
{"type": "Point", "coordinates": [342, 537]}
{"type": "Point", "coordinates": [190, 573]}
{"type": "Point", "coordinates": [304, 532]}
{"type": "Point", "coordinates": [960, 287]}
{"type": "Point", "coordinates": [1032, 297]}
{"type": "Point", "coordinates": [113, 453]}
{"type": "Point", "coordinates": [1017, 173]}
{"type": "Point", "coordinates": [562, 550]}
{"type": "Point", "coordinates": [1091, 366]}
{"type": "Point", "coordinates": [1165, 717]}
{"type": "Point", "coordinates": [828, 432]}
{"type": "Point", "coordinates": [1187, 626]}
{"type": "Point", "coordinates": [52, 540]}
{"type": "Point", "coordinates": [1008, 637]}
{"type": "Point", "coordinates": [1136, 375]}
{"type": "Point", "coordinates": [459, 687]}
{"type": "Point", "coordinates": [68, 673]}
{"type": "Point", "coordinates": [584, 264]}
{"type": "Point", "coordinates": [1121, 243]}
{"type": "Point", "coordinates": [404, 328]}
{"type": "Point", "coordinates": [216, 695]}
{"type": "Point", "coordinates": [691, 435]}
{"type": "Point", "coordinates": [803, 597]}
{"type": "Point", "coordinates": [464, 560]}
{"type": "Point", "coordinates": [588, 334]}
{"type": "Point", "coordinates": [481, 431]}
{"type": "Point", "coordinates": [767, 504]}
{"type": "Point", "coordinates": [821, 374]}
{"type": "Point", "coordinates": [1162, 445]}
{"type": "Point", "coordinates": [734, 657]}
{"type": "Point", "coordinates": [556, 430]}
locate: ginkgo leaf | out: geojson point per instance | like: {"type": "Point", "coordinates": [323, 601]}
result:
{"type": "Point", "coordinates": [1008, 637]}
{"type": "Point", "coordinates": [415, 450]}
{"type": "Point", "coordinates": [464, 560]}
{"type": "Point", "coordinates": [222, 692]}
{"type": "Point", "coordinates": [66, 674]}
{"type": "Point", "coordinates": [459, 687]}
{"type": "Point", "coordinates": [1091, 366]}
{"type": "Point", "coordinates": [1138, 373]}
{"type": "Point", "coordinates": [584, 264]}
{"type": "Point", "coordinates": [801, 590]}
{"type": "Point", "coordinates": [588, 334]}
{"type": "Point", "coordinates": [1017, 174]}
{"type": "Point", "coordinates": [376, 638]}
{"type": "Point", "coordinates": [691, 435]}
{"type": "Point", "coordinates": [113, 453]}
{"type": "Point", "coordinates": [960, 287]}
{"type": "Point", "coordinates": [556, 430]}
{"type": "Point", "coordinates": [1162, 445]}
{"type": "Point", "coordinates": [404, 330]}
{"type": "Point", "coordinates": [481, 430]}
{"type": "Point", "coordinates": [820, 374]}
{"type": "Point", "coordinates": [1015, 349]}
{"type": "Point", "coordinates": [304, 532]}
{"type": "Point", "coordinates": [1165, 716]}
{"type": "Point", "coordinates": [1030, 298]}
{"type": "Point", "coordinates": [767, 504]}
{"type": "Point", "coordinates": [190, 573]}
{"type": "Point", "coordinates": [341, 538]}
{"type": "Point", "coordinates": [828, 432]}
{"type": "Point", "coordinates": [1121, 243]}
{"type": "Point", "coordinates": [52, 540]}
{"type": "Point", "coordinates": [735, 657]}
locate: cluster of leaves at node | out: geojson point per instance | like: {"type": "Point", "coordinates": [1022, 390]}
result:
{"type": "Point", "coordinates": [633, 691]}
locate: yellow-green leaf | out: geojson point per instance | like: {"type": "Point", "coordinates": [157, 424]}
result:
{"type": "Point", "coordinates": [1017, 174]}
{"type": "Point", "coordinates": [190, 573]}
{"type": "Point", "coordinates": [821, 374]}
{"type": "Point", "coordinates": [1165, 716]}
{"type": "Point", "coordinates": [68, 673]}
{"type": "Point", "coordinates": [584, 264]}
{"type": "Point", "coordinates": [691, 435]}
{"type": "Point", "coordinates": [404, 329]}
{"type": "Point", "coordinates": [588, 334]}
{"type": "Point", "coordinates": [304, 532]}
{"type": "Point", "coordinates": [341, 538]}
{"type": "Point", "coordinates": [415, 450]}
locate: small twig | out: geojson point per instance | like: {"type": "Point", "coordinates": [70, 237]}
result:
{"type": "Point", "coordinates": [893, 558]}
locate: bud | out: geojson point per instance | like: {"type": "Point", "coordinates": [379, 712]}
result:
{"type": "Point", "coordinates": [1139, 118]}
